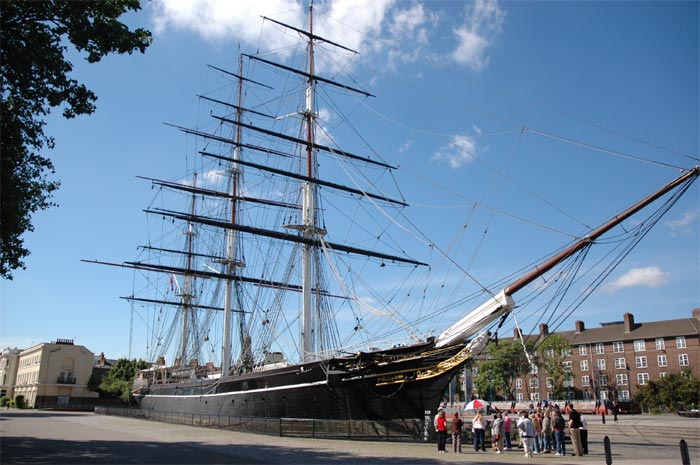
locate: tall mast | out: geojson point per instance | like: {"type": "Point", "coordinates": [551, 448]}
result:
{"type": "Point", "coordinates": [308, 209]}
{"type": "Point", "coordinates": [187, 294]}
{"type": "Point", "coordinates": [231, 239]}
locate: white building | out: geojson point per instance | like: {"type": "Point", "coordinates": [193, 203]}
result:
{"type": "Point", "coordinates": [55, 373]}
{"type": "Point", "coordinates": [8, 371]}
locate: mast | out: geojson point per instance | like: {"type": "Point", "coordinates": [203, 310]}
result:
{"type": "Point", "coordinates": [503, 302]}
{"type": "Point", "coordinates": [308, 208]}
{"type": "Point", "coordinates": [187, 294]}
{"type": "Point", "coordinates": [231, 241]}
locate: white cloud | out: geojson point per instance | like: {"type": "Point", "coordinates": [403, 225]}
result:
{"type": "Point", "coordinates": [683, 226]}
{"type": "Point", "coordinates": [208, 179]}
{"type": "Point", "coordinates": [460, 151]}
{"type": "Point", "coordinates": [409, 34]}
{"type": "Point", "coordinates": [363, 18]}
{"type": "Point", "coordinates": [382, 31]}
{"type": "Point", "coordinates": [650, 276]}
{"type": "Point", "coordinates": [325, 119]}
{"type": "Point", "coordinates": [221, 19]}
{"type": "Point", "coordinates": [407, 145]}
{"type": "Point", "coordinates": [483, 24]}
{"type": "Point", "coordinates": [212, 177]}
{"type": "Point", "coordinates": [216, 20]}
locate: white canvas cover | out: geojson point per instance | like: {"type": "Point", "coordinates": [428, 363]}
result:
{"type": "Point", "coordinates": [476, 320]}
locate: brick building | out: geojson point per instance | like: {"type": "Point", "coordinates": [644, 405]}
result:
{"type": "Point", "coordinates": [612, 361]}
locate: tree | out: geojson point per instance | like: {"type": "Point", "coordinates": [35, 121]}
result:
{"type": "Point", "coordinates": [35, 79]}
{"type": "Point", "coordinates": [20, 401]}
{"type": "Point", "coordinates": [555, 350]}
{"type": "Point", "coordinates": [506, 362]}
{"type": "Point", "coordinates": [675, 391]}
{"type": "Point", "coordinates": [120, 378]}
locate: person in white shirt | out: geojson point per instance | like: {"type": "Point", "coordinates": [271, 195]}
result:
{"type": "Point", "coordinates": [527, 433]}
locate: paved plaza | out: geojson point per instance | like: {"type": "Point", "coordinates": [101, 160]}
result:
{"type": "Point", "coordinates": [44, 437]}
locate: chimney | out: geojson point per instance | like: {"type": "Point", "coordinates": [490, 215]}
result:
{"type": "Point", "coordinates": [544, 329]}
{"type": "Point", "coordinates": [696, 313]}
{"type": "Point", "coordinates": [103, 360]}
{"type": "Point", "coordinates": [580, 327]}
{"type": "Point", "coordinates": [517, 333]}
{"type": "Point", "coordinates": [629, 322]}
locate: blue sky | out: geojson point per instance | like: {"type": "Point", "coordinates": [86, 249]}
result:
{"type": "Point", "coordinates": [496, 103]}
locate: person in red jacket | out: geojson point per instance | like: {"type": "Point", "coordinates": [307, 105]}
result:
{"type": "Point", "coordinates": [441, 427]}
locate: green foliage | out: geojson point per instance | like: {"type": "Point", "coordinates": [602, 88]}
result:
{"type": "Point", "coordinates": [35, 79]}
{"type": "Point", "coordinates": [4, 401]}
{"type": "Point", "coordinates": [675, 391]}
{"type": "Point", "coordinates": [93, 383]}
{"type": "Point", "coordinates": [506, 362]}
{"type": "Point", "coordinates": [119, 379]}
{"type": "Point", "coordinates": [554, 363]}
{"type": "Point", "coordinates": [19, 401]}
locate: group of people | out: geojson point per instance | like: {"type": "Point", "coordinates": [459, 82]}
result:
{"type": "Point", "coordinates": [542, 430]}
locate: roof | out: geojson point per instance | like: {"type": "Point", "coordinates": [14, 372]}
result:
{"type": "Point", "coordinates": [616, 332]}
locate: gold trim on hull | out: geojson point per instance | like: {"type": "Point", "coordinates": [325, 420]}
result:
{"type": "Point", "coordinates": [426, 373]}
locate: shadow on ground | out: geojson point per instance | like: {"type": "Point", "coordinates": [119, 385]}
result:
{"type": "Point", "coordinates": [28, 450]}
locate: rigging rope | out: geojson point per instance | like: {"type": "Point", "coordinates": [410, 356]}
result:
{"type": "Point", "coordinates": [522, 342]}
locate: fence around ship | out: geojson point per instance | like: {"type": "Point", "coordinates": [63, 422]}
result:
{"type": "Point", "coordinates": [409, 430]}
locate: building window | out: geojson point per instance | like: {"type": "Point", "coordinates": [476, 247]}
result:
{"type": "Point", "coordinates": [623, 395]}
{"type": "Point", "coordinates": [534, 383]}
{"type": "Point", "coordinates": [618, 347]}
{"type": "Point", "coordinates": [586, 395]}
{"type": "Point", "coordinates": [585, 380]}
{"type": "Point", "coordinates": [518, 383]}
{"type": "Point", "coordinates": [603, 395]}
{"type": "Point", "coordinates": [662, 360]}
{"type": "Point", "coordinates": [584, 365]}
{"type": "Point", "coordinates": [660, 343]}
{"type": "Point", "coordinates": [642, 378]}
{"type": "Point", "coordinates": [567, 365]}
{"type": "Point", "coordinates": [519, 396]}
{"type": "Point", "coordinates": [599, 348]}
{"type": "Point", "coordinates": [639, 345]}
{"type": "Point", "coordinates": [549, 353]}
{"type": "Point", "coordinates": [569, 382]}
{"type": "Point", "coordinates": [683, 360]}
{"type": "Point", "coordinates": [641, 361]}
{"type": "Point", "coordinates": [566, 352]}
{"type": "Point", "coordinates": [535, 397]}
{"type": "Point", "coordinates": [662, 374]}
{"type": "Point", "coordinates": [549, 383]}
{"type": "Point", "coordinates": [680, 342]}
{"type": "Point", "coordinates": [620, 364]}
{"type": "Point", "coordinates": [621, 379]}
{"type": "Point", "coordinates": [533, 369]}
{"type": "Point", "coordinates": [600, 363]}
{"type": "Point", "coordinates": [582, 349]}
{"type": "Point", "coordinates": [603, 380]}
{"type": "Point", "coordinates": [550, 395]}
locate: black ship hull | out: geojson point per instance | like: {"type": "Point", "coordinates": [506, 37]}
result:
{"type": "Point", "coordinates": [399, 384]}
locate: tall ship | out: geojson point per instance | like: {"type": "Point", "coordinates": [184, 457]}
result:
{"type": "Point", "coordinates": [269, 284]}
